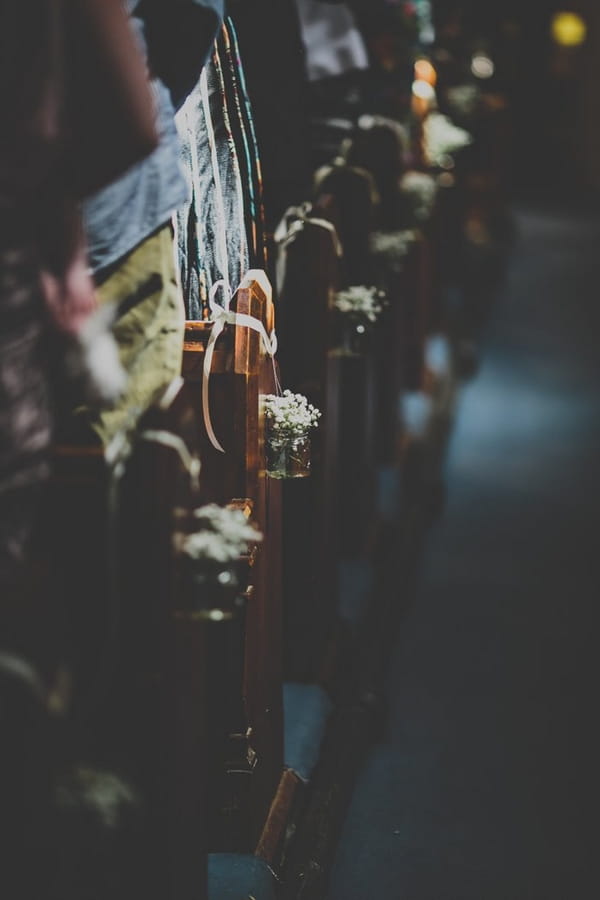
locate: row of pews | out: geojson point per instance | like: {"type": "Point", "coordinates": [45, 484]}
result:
{"type": "Point", "coordinates": [235, 720]}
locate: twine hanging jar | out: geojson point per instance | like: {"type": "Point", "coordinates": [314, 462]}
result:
{"type": "Point", "coordinates": [212, 559]}
{"type": "Point", "coordinates": [357, 309]}
{"type": "Point", "coordinates": [289, 420]}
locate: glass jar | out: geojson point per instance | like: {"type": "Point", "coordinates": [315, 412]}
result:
{"type": "Point", "coordinates": [288, 457]}
{"type": "Point", "coordinates": [211, 589]}
{"type": "Point", "coordinates": [353, 335]}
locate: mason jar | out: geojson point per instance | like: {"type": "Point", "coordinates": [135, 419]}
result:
{"type": "Point", "coordinates": [211, 589]}
{"type": "Point", "coordinates": [288, 457]}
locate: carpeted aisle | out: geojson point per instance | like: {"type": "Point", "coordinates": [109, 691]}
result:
{"type": "Point", "coordinates": [484, 786]}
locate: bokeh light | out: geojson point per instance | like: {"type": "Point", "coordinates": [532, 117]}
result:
{"type": "Point", "coordinates": [482, 66]}
{"type": "Point", "coordinates": [568, 29]}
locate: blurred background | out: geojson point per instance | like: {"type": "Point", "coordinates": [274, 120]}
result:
{"type": "Point", "coordinates": [546, 60]}
{"type": "Point", "coordinates": [484, 786]}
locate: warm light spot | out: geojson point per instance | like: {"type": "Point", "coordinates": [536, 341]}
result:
{"type": "Point", "coordinates": [423, 90]}
{"type": "Point", "coordinates": [568, 29]}
{"type": "Point", "coordinates": [482, 66]}
{"type": "Point", "coordinates": [424, 71]}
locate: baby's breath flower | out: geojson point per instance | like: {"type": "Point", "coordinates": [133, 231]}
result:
{"type": "Point", "coordinates": [421, 189]}
{"type": "Point", "coordinates": [360, 301]}
{"type": "Point", "coordinates": [441, 137]}
{"type": "Point", "coordinates": [222, 534]}
{"type": "Point", "coordinates": [392, 246]}
{"type": "Point", "coordinates": [289, 414]}
{"type": "Point", "coordinates": [463, 98]}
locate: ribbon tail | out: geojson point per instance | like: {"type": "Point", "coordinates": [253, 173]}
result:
{"type": "Point", "coordinates": [246, 321]}
{"type": "Point", "coordinates": [208, 357]}
{"type": "Point", "coordinates": [169, 439]}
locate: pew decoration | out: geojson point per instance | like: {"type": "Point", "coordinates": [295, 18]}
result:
{"type": "Point", "coordinates": [441, 139]}
{"type": "Point", "coordinates": [358, 308]}
{"type": "Point", "coordinates": [289, 419]}
{"type": "Point", "coordinates": [213, 554]}
{"type": "Point", "coordinates": [220, 316]}
{"type": "Point", "coordinates": [390, 248]}
{"type": "Point", "coordinates": [463, 99]}
{"type": "Point", "coordinates": [419, 192]}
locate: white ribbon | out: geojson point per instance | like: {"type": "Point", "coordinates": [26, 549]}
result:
{"type": "Point", "coordinates": [222, 316]}
{"type": "Point", "coordinates": [120, 449]}
{"type": "Point", "coordinates": [221, 229]}
{"type": "Point", "coordinates": [191, 463]}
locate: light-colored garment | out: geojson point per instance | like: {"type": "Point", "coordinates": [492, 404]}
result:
{"type": "Point", "coordinates": [212, 240]}
{"type": "Point", "coordinates": [148, 330]}
{"type": "Point", "coordinates": [334, 45]}
{"type": "Point", "coordinates": [124, 213]}
{"type": "Point", "coordinates": [121, 215]}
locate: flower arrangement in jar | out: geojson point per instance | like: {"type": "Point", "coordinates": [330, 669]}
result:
{"type": "Point", "coordinates": [212, 552]}
{"type": "Point", "coordinates": [392, 247]}
{"type": "Point", "coordinates": [289, 420]}
{"type": "Point", "coordinates": [442, 138]}
{"type": "Point", "coordinates": [358, 308]}
{"type": "Point", "coordinates": [419, 189]}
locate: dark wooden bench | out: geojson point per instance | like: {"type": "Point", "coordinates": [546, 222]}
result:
{"type": "Point", "coordinates": [309, 260]}
{"type": "Point", "coordinates": [241, 372]}
{"type": "Point", "coordinates": [138, 708]}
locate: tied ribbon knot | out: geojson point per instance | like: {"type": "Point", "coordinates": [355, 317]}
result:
{"type": "Point", "coordinates": [220, 317]}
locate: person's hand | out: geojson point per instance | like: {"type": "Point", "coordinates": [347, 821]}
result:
{"type": "Point", "coordinates": [70, 297]}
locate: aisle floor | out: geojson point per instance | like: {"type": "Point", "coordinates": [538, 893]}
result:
{"type": "Point", "coordinates": [484, 785]}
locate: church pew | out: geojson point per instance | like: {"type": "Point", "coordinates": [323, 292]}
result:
{"type": "Point", "coordinates": [136, 715]}
{"type": "Point", "coordinates": [349, 192]}
{"type": "Point", "coordinates": [178, 684]}
{"type": "Point", "coordinates": [308, 261]}
{"type": "Point", "coordinates": [162, 693]}
{"type": "Point", "coordinates": [380, 145]}
{"type": "Point", "coordinates": [263, 807]}
{"type": "Point", "coordinates": [241, 372]}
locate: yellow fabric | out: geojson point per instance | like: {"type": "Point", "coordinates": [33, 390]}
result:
{"type": "Point", "coordinates": [149, 329]}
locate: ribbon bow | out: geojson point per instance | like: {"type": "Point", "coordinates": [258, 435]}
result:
{"type": "Point", "coordinates": [222, 316]}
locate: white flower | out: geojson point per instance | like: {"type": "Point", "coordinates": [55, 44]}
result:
{"type": "Point", "coordinates": [442, 137]}
{"type": "Point", "coordinates": [421, 189]}
{"type": "Point", "coordinates": [463, 98]}
{"type": "Point", "coordinates": [222, 535]}
{"type": "Point", "coordinates": [393, 246]}
{"type": "Point", "coordinates": [289, 415]}
{"type": "Point", "coordinates": [359, 300]}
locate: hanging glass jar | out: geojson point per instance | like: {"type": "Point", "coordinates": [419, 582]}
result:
{"type": "Point", "coordinates": [288, 457]}
{"type": "Point", "coordinates": [289, 418]}
{"type": "Point", "coordinates": [357, 309]}
{"type": "Point", "coordinates": [211, 589]}
{"type": "Point", "coordinates": [212, 558]}
{"type": "Point", "coordinates": [354, 334]}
